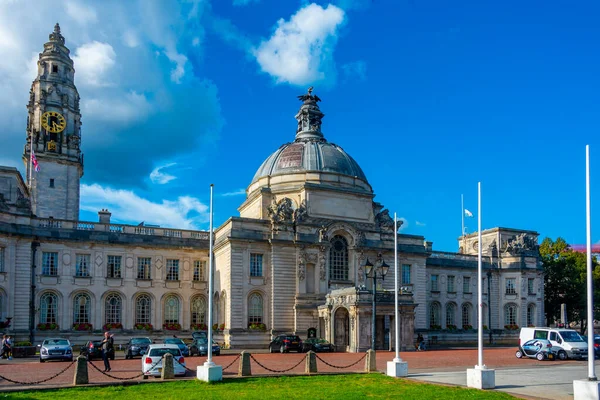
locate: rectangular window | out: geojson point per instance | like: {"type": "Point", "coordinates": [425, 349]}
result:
{"type": "Point", "coordinates": [434, 283]}
{"type": "Point", "coordinates": [530, 283]}
{"type": "Point", "coordinates": [54, 69]}
{"type": "Point", "coordinates": [199, 268]}
{"type": "Point", "coordinates": [406, 274]}
{"type": "Point", "coordinates": [172, 270]}
{"type": "Point", "coordinates": [1, 260]}
{"type": "Point", "coordinates": [51, 183]}
{"type": "Point", "coordinates": [467, 284]}
{"type": "Point", "coordinates": [113, 267]}
{"type": "Point", "coordinates": [144, 267]}
{"type": "Point", "coordinates": [82, 265]}
{"type": "Point", "coordinates": [450, 286]}
{"type": "Point", "coordinates": [511, 286]}
{"type": "Point", "coordinates": [49, 264]}
{"type": "Point", "coordinates": [256, 265]}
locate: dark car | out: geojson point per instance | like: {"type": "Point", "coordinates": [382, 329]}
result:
{"type": "Point", "coordinates": [317, 345]}
{"type": "Point", "coordinates": [185, 351]}
{"type": "Point", "coordinates": [200, 348]}
{"type": "Point", "coordinates": [93, 349]}
{"type": "Point", "coordinates": [286, 343]}
{"type": "Point", "coordinates": [137, 346]}
{"type": "Point", "coordinates": [199, 335]}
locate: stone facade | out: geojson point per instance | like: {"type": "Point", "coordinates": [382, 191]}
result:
{"type": "Point", "coordinates": [295, 260]}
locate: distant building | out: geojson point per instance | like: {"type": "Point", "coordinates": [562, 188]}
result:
{"type": "Point", "coordinates": [293, 261]}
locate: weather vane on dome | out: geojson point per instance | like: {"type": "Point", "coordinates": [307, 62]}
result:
{"type": "Point", "coordinates": [309, 96]}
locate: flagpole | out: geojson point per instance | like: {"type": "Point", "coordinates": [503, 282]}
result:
{"type": "Point", "coordinates": [210, 281]}
{"type": "Point", "coordinates": [396, 315]}
{"type": "Point", "coordinates": [462, 213]}
{"type": "Point", "coordinates": [479, 295]}
{"type": "Point", "coordinates": [590, 283]}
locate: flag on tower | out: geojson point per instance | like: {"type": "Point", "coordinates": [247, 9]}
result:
{"type": "Point", "coordinates": [468, 213]}
{"type": "Point", "coordinates": [34, 161]}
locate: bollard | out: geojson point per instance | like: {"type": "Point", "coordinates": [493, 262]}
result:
{"type": "Point", "coordinates": [167, 367]}
{"type": "Point", "coordinates": [244, 368]}
{"type": "Point", "coordinates": [371, 361]}
{"type": "Point", "coordinates": [81, 371]}
{"type": "Point", "coordinates": [311, 363]}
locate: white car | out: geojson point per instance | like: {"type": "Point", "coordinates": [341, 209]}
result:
{"type": "Point", "coordinates": [56, 349]}
{"type": "Point", "coordinates": [153, 359]}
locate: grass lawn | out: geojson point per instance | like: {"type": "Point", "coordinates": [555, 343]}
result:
{"type": "Point", "coordinates": [359, 386]}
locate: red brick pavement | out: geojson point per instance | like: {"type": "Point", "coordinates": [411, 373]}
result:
{"type": "Point", "coordinates": [29, 370]}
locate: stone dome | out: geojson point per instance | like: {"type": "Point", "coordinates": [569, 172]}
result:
{"type": "Point", "coordinates": [310, 151]}
{"type": "Point", "coordinates": [309, 155]}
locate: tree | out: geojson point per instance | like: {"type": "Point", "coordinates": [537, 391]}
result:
{"type": "Point", "coordinates": [565, 277]}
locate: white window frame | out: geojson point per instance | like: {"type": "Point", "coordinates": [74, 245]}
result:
{"type": "Point", "coordinates": [50, 263]}
{"type": "Point", "coordinates": [82, 265]}
{"type": "Point", "coordinates": [144, 268]}
{"type": "Point", "coordinates": [172, 269]}
{"type": "Point", "coordinates": [113, 266]}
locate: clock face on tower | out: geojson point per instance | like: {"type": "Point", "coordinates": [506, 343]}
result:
{"type": "Point", "coordinates": [53, 121]}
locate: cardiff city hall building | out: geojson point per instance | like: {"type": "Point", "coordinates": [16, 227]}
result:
{"type": "Point", "coordinates": [307, 253]}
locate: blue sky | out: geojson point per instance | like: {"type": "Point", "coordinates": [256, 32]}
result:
{"type": "Point", "coordinates": [429, 97]}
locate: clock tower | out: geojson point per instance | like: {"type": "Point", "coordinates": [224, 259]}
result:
{"type": "Point", "coordinates": [54, 132]}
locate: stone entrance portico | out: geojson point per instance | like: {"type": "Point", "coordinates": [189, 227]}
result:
{"type": "Point", "coordinates": [347, 314]}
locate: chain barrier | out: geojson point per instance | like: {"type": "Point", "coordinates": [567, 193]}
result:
{"type": "Point", "coordinates": [118, 377]}
{"type": "Point", "coordinates": [338, 366]}
{"type": "Point", "coordinates": [234, 360]}
{"type": "Point", "coordinates": [43, 380]}
{"type": "Point", "coordinates": [274, 370]}
{"type": "Point", "coordinates": [184, 367]}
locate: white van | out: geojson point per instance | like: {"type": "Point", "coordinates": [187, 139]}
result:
{"type": "Point", "coordinates": [568, 339]}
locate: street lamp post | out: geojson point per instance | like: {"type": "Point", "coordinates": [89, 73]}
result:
{"type": "Point", "coordinates": [372, 271]}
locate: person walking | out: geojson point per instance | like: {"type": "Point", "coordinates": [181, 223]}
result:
{"type": "Point", "coordinates": [4, 347]}
{"type": "Point", "coordinates": [10, 345]}
{"type": "Point", "coordinates": [107, 347]}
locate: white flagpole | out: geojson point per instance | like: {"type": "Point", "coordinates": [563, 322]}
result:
{"type": "Point", "coordinates": [590, 283]}
{"type": "Point", "coordinates": [210, 281]}
{"type": "Point", "coordinates": [462, 213]}
{"type": "Point", "coordinates": [397, 314]}
{"type": "Point", "coordinates": [479, 288]}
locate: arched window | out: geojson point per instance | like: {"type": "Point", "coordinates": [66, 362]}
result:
{"type": "Point", "coordinates": [466, 316]}
{"type": "Point", "coordinates": [112, 309]}
{"type": "Point", "coordinates": [338, 259]}
{"type": "Point", "coordinates": [81, 309]}
{"type": "Point", "coordinates": [510, 314]}
{"type": "Point", "coordinates": [48, 308]}
{"type": "Point", "coordinates": [171, 310]}
{"type": "Point", "coordinates": [143, 308]}
{"type": "Point", "coordinates": [198, 310]}
{"type": "Point", "coordinates": [450, 313]}
{"type": "Point", "coordinates": [434, 315]}
{"type": "Point", "coordinates": [223, 310]}
{"type": "Point", "coordinates": [255, 309]}
{"type": "Point", "coordinates": [531, 315]}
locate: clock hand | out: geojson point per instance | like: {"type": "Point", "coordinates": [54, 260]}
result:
{"type": "Point", "coordinates": [55, 126]}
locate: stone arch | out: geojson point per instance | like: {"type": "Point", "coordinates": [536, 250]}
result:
{"type": "Point", "coordinates": [111, 311]}
{"type": "Point", "coordinates": [466, 315]}
{"type": "Point", "coordinates": [341, 328]}
{"type": "Point", "coordinates": [172, 308]}
{"type": "Point", "coordinates": [198, 310]}
{"type": "Point", "coordinates": [435, 315]}
{"type": "Point", "coordinates": [143, 308]}
{"type": "Point", "coordinates": [49, 312]}
{"type": "Point", "coordinates": [450, 313]}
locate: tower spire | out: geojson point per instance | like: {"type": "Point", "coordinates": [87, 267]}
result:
{"type": "Point", "coordinates": [309, 117]}
{"type": "Point", "coordinates": [56, 36]}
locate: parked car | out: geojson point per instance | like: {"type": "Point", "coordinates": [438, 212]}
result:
{"type": "Point", "coordinates": [285, 343]}
{"type": "Point", "coordinates": [93, 349]}
{"type": "Point", "coordinates": [56, 349]}
{"type": "Point", "coordinates": [137, 346]}
{"type": "Point", "coordinates": [317, 345]}
{"type": "Point", "coordinates": [185, 351]}
{"type": "Point", "coordinates": [152, 360]}
{"type": "Point", "coordinates": [541, 349]}
{"type": "Point", "coordinates": [200, 348]}
{"type": "Point", "coordinates": [596, 345]}
{"type": "Point", "coordinates": [567, 339]}
{"type": "Point", "coordinates": [199, 335]}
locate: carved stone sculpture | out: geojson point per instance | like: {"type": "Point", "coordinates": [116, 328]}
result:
{"type": "Point", "coordinates": [384, 221]}
{"type": "Point", "coordinates": [323, 234]}
{"type": "Point", "coordinates": [521, 243]}
{"type": "Point", "coordinates": [280, 213]}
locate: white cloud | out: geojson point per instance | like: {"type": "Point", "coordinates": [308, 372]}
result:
{"type": "Point", "coordinates": [131, 38]}
{"type": "Point", "coordinates": [128, 108]}
{"type": "Point", "coordinates": [301, 49]}
{"type": "Point", "coordinates": [156, 176]}
{"type": "Point", "coordinates": [356, 69]}
{"type": "Point", "coordinates": [93, 61]}
{"type": "Point", "coordinates": [81, 13]}
{"type": "Point", "coordinates": [419, 223]}
{"type": "Point", "coordinates": [238, 192]}
{"type": "Point", "coordinates": [185, 212]}
{"type": "Point", "coordinates": [179, 70]}
{"type": "Point", "coordinates": [244, 2]}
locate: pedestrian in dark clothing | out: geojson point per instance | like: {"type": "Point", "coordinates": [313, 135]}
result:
{"type": "Point", "coordinates": [107, 347]}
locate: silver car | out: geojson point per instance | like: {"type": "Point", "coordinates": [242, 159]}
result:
{"type": "Point", "coordinates": [56, 349]}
